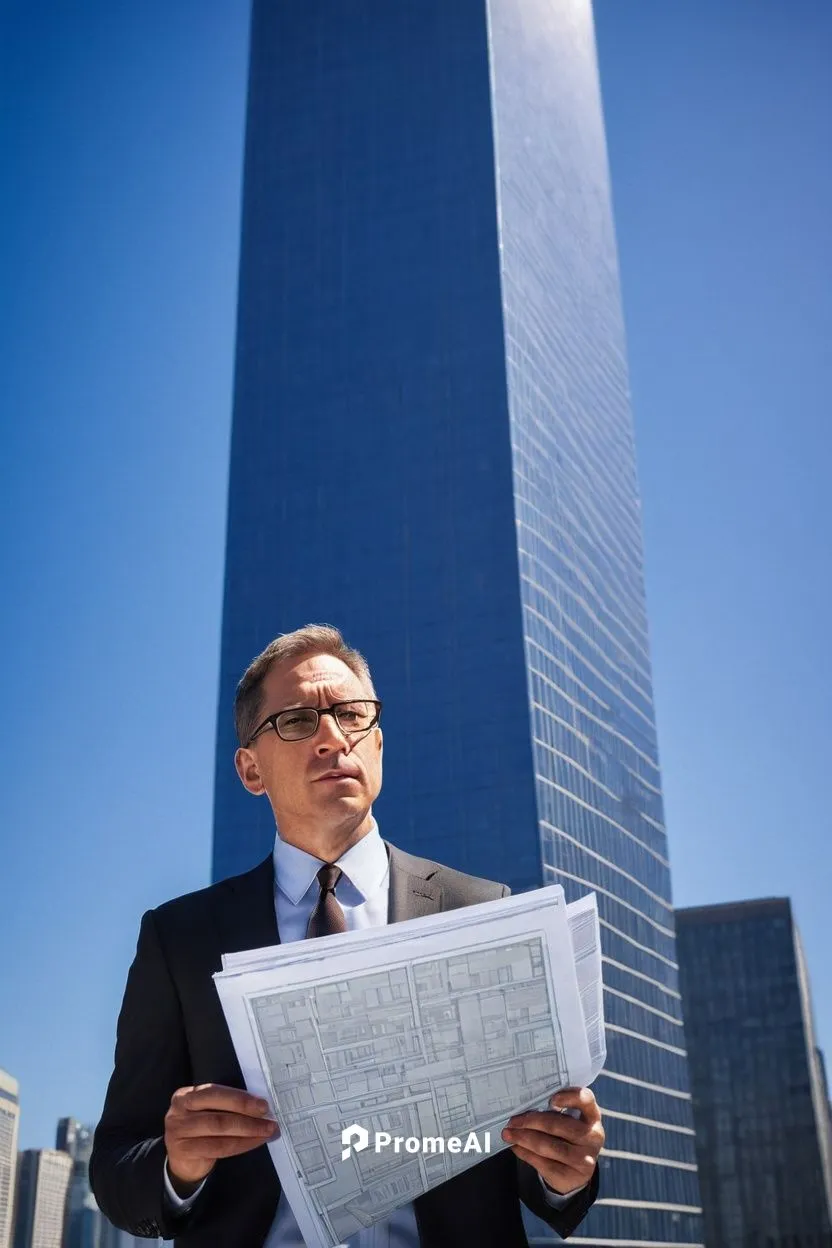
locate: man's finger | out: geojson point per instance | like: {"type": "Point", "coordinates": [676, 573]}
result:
{"type": "Point", "coordinates": [562, 1178]}
{"type": "Point", "coordinates": [546, 1146]}
{"type": "Point", "coordinates": [561, 1125]}
{"type": "Point", "coordinates": [216, 1096]}
{"type": "Point", "coordinates": [578, 1098]}
{"type": "Point", "coordinates": [208, 1123]}
{"type": "Point", "coordinates": [211, 1148]}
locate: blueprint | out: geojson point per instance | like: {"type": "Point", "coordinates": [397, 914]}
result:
{"type": "Point", "coordinates": [379, 1048]}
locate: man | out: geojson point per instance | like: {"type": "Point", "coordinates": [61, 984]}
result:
{"type": "Point", "coordinates": [180, 1149]}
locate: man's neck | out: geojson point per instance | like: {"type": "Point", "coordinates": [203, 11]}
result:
{"type": "Point", "coordinates": [328, 844]}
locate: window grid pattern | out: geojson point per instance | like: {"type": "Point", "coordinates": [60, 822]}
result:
{"type": "Point", "coordinates": [9, 1115]}
{"type": "Point", "coordinates": [760, 1132]}
{"type": "Point", "coordinates": [578, 525]}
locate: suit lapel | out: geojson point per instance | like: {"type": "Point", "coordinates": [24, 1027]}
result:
{"type": "Point", "coordinates": [245, 911]}
{"type": "Point", "coordinates": [414, 888]}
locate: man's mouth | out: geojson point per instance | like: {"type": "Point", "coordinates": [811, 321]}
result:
{"type": "Point", "coordinates": [336, 776]}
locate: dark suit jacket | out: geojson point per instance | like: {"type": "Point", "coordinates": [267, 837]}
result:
{"type": "Point", "coordinates": [172, 1033]}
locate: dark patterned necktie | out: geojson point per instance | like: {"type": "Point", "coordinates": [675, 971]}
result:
{"type": "Point", "coordinates": [327, 918]}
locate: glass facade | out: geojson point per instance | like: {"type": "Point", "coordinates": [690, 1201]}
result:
{"type": "Point", "coordinates": [760, 1100]}
{"type": "Point", "coordinates": [432, 448]}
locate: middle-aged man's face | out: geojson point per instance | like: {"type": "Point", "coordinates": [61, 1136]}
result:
{"type": "Point", "coordinates": [298, 776]}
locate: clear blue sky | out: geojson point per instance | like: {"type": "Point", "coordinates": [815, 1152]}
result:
{"type": "Point", "coordinates": [122, 130]}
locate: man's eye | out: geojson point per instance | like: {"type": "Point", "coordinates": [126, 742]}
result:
{"type": "Point", "coordinates": [293, 719]}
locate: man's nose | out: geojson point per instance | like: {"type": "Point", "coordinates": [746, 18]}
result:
{"type": "Point", "coordinates": [329, 736]}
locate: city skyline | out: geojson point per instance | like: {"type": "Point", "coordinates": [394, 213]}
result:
{"type": "Point", "coordinates": [52, 1203]}
{"type": "Point", "coordinates": [706, 235]}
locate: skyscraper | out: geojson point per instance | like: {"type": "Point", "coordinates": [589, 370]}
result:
{"type": "Point", "coordinates": [111, 1237]}
{"type": "Point", "coordinates": [432, 448]}
{"type": "Point", "coordinates": [9, 1122]}
{"type": "Point", "coordinates": [759, 1094]}
{"type": "Point", "coordinates": [40, 1206]}
{"type": "Point", "coordinates": [84, 1221]}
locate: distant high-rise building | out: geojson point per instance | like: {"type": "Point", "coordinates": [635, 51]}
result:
{"type": "Point", "coordinates": [760, 1102]}
{"type": "Point", "coordinates": [84, 1220]}
{"type": "Point", "coordinates": [433, 449]}
{"type": "Point", "coordinates": [9, 1123]}
{"type": "Point", "coordinates": [112, 1237]}
{"type": "Point", "coordinates": [40, 1207]}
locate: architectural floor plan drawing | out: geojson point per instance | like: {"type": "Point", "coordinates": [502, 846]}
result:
{"type": "Point", "coordinates": [439, 1031]}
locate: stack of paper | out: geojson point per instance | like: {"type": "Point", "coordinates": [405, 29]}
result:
{"type": "Point", "coordinates": [394, 1056]}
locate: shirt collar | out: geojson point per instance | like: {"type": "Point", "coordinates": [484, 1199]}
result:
{"type": "Point", "coordinates": [365, 865]}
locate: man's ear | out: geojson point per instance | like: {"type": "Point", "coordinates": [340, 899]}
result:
{"type": "Point", "coordinates": [249, 772]}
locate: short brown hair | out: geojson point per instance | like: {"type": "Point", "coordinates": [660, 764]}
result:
{"type": "Point", "coordinates": [311, 639]}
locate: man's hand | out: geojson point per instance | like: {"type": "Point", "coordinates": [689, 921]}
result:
{"type": "Point", "coordinates": [208, 1122]}
{"type": "Point", "coordinates": [562, 1149]}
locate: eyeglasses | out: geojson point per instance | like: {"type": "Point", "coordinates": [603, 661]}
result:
{"type": "Point", "coordinates": [353, 718]}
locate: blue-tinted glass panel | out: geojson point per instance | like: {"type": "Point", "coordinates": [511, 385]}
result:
{"type": "Point", "coordinates": [759, 1099]}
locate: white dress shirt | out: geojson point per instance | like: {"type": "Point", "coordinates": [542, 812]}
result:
{"type": "Point", "coordinates": [363, 894]}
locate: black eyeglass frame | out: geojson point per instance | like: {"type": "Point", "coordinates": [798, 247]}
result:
{"type": "Point", "coordinates": [271, 720]}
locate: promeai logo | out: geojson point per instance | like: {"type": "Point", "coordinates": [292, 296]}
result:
{"type": "Point", "coordinates": [359, 1134]}
{"type": "Point", "coordinates": [356, 1138]}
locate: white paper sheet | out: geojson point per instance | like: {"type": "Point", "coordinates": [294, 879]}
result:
{"type": "Point", "coordinates": [585, 931]}
{"type": "Point", "coordinates": [435, 1027]}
